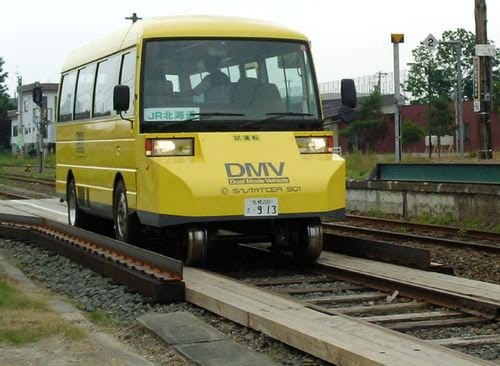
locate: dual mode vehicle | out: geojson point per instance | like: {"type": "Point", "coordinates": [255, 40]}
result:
{"type": "Point", "coordinates": [199, 129]}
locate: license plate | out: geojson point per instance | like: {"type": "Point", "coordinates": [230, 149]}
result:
{"type": "Point", "coordinates": [261, 206]}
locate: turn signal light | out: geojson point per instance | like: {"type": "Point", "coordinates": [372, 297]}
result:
{"type": "Point", "coordinates": [315, 144]}
{"type": "Point", "coordinates": [170, 147]}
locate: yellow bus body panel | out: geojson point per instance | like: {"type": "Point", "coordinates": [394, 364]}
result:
{"type": "Point", "coordinates": [199, 186]}
{"type": "Point", "coordinates": [95, 152]}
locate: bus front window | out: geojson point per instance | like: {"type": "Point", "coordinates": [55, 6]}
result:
{"type": "Point", "coordinates": [228, 83]}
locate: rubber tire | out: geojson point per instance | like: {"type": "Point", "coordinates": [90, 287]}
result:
{"type": "Point", "coordinates": [307, 241]}
{"type": "Point", "coordinates": [195, 246]}
{"type": "Point", "coordinates": [78, 218]}
{"type": "Point", "coordinates": [126, 225]}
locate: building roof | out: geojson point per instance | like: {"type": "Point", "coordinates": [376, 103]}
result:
{"type": "Point", "coordinates": [45, 87]}
{"type": "Point", "coordinates": [178, 27]}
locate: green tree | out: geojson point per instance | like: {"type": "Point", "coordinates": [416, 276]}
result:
{"type": "Point", "coordinates": [496, 98]}
{"type": "Point", "coordinates": [369, 127]}
{"type": "Point", "coordinates": [434, 73]}
{"type": "Point", "coordinates": [411, 132]}
{"type": "Point", "coordinates": [4, 97]}
{"type": "Point", "coordinates": [441, 118]}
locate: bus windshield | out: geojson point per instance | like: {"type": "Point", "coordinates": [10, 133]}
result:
{"type": "Point", "coordinates": [227, 84]}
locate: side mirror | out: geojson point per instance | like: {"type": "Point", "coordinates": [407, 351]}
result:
{"type": "Point", "coordinates": [348, 93]}
{"type": "Point", "coordinates": [121, 98]}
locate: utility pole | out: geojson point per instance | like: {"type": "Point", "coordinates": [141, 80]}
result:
{"type": "Point", "coordinates": [20, 132]}
{"type": "Point", "coordinates": [485, 82]}
{"type": "Point", "coordinates": [396, 39]}
{"type": "Point", "coordinates": [429, 96]}
{"type": "Point", "coordinates": [458, 96]}
{"type": "Point", "coordinates": [38, 99]}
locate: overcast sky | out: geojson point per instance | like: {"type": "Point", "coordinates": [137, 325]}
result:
{"type": "Point", "coordinates": [350, 38]}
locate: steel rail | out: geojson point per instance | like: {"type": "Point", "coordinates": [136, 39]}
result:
{"type": "Point", "coordinates": [484, 308]}
{"type": "Point", "coordinates": [470, 233]}
{"type": "Point", "coordinates": [151, 274]}
{"type": "Point", "coordinates": [490, 247]}
{"type": "Point", "coordinates": [20, 178]}
{"type": "Point", "coordinates": [13, 195]}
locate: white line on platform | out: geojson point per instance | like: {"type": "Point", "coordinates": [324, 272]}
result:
{"type": "Point", "coordinates": [41, 207]}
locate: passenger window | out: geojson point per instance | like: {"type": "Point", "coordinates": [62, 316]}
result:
{"type": "Point", "coordinates": [67, 97]}
{"type": "Point", "coordinates": [107, 72]}
{"type": "Point", "coordinates": [83, 103]}
{"type": "Point", "coordinates": [127, 77]}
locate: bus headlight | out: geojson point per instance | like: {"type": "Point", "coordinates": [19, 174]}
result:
{"type": "Point", "coordinates": [315, 144]}
{"type": "Point", "coordinates": [170, 147]}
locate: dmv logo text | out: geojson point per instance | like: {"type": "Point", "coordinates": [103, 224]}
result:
{"type": "Point", "coordinates": [259, 173]}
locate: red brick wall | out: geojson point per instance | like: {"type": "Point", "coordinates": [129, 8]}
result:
{"type": "Point", "coordinates": [418, 114]}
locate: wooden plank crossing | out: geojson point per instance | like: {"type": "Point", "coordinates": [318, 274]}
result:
{"type": "Point", "coordinates": [475, 289]}
{"type": "Point", "coordinates": [337, 339]}
{"type": "Point", "coordinates": [412, 316]}
{"type": "Point", "coordinates": [436, 323]}
{"type": "Point", "coordinates": [466, 341]}
{"type": "Point", "coordinates": [365, 296]}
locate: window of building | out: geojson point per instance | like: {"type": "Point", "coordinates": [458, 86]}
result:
{"type": "Point", "coordinates": [127, 77]}
{"type": "Point", "coordinates": [14, 131]}
{"type": "Point", "coordinates": [83, 100]}
{"type": "Point", "coordinates": [67, 97]}
{"type": "Point", "coordinates": [105, 82]}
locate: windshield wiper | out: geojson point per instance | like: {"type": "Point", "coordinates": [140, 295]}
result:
{"type": "Point", "coordinates": [211, 114]}
{"type": "Point", "coordinates": [276, 115]}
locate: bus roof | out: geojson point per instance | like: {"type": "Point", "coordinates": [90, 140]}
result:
{"type": "Point", "coordinates": [176, 27]}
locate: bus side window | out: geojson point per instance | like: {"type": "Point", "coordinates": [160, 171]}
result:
{"type": "Point", "coordinates": [67, 97]}
{"type": "Point", "coordinates": [84, 88]}
{"type": "Point", "coordinates": [105, 82]}
{"type": "Point", "coordinates": [127, 77]}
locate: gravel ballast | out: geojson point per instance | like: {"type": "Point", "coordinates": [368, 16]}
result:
{"type": "Point", "coordinates": [92, 292]}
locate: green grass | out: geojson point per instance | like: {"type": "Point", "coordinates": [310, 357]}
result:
{"type": "Point", "coordinates": [12, 299]}
{"type": "Point", "coordinates": [26, 319]}
{"type": "Point", "coordinates": [30, 333]}
{"type": "Point", "coordinates": [443, 219]}
{"type": "Point", "coordinates": [9, 159]}
{"type": "Point", "coordinates": [103, 319]}
{"type": "Point", "coordinates": [359, 166]}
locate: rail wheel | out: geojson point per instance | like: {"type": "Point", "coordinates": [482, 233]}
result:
{"type": "Point", "coordinates": [76, 217]}
{"type": "Point", "coordinates": [195, 246]}
{"type": "Point", "coordinates": [307, 241]}
{"type": "Point", "coordinates": [126, 224]}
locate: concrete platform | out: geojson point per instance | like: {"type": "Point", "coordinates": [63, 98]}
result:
{"type": "Point", "coordinates": [199, 341]}
{"type": "Point", "coordinates": [50, 208]}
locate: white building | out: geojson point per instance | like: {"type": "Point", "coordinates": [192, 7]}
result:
{"type": "Point", "coordinates": [25, 131]}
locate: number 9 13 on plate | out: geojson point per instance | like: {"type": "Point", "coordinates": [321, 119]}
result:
{"type": "Point", "coordinates": [261, 206]}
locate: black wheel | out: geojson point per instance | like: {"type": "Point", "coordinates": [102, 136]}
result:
{"type": "Point", "coordinates": [76, 217]}
{"type": "Point", "coordinates": [195, 246]}
{"type": "Point", "coordinates": [307, 241]}
{"type": "Point", "coordinates": [126, 224]}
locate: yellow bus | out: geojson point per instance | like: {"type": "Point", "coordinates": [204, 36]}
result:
{"type": "Point", "coordinates": [199, 128]}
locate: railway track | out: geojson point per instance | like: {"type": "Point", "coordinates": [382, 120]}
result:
{"type": "Point", "coordinates": [20, 178]}
{"type": "Point", "coordinates": [489, 241]}
{"type": "Point", "coordinates": [11, 195]}
{"type": "Point", "coordinates": [421, 227]}
{"type": "Point", "coordinates": [150, 274]}
{"type": "Point", "coordinates": [324, 289]}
